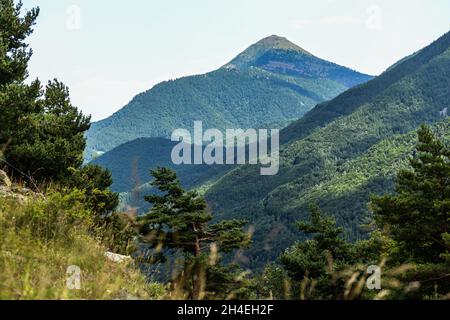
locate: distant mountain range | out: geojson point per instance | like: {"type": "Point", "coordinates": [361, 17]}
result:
{"type": "Point", "coordinates": [271, 83]}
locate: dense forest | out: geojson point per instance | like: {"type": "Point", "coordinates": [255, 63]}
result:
{"type": "Point", "coordinates": [137, 156]}
{"type": "Point", "coordinates": [246, 93]}
{"type": "Point", "coordinates": [369, 159]}
{"type": "Point", "coordinates": [334, 142]}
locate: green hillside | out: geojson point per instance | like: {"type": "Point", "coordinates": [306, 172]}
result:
{"type": "Point", "coordinates": [274, 81]}
{"type": "Point", "coordinates": [322, 152]}
{"type": "Point", "coordinates": [130, 165]}
{"type": "Point", "coordinates": [226, 232]}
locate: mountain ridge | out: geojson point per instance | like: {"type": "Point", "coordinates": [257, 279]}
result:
{"type": "Point", "coordinates": [319, 145]}
{"type": "Point", "coordinates": [263, 92]}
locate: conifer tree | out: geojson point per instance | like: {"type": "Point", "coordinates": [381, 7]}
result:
{"type": "Point", "coordinates": [14, 52]}
{"type": "Point", "coordinates": [95, 181]}
{"type": "Point", "coordinates": [180, 220]}
{"type": "Point", "coordinates": [417, 216]}
{"type": "Point", "coordinates": [41, 133]}
{"type": "Point", "coordinates": [312, 257]}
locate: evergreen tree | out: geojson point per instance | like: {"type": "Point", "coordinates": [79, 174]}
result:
{"type": "Point", "coordinates": [318, 257]}
{"type": "Point", "coordinates": [16, 98]}
{"type": "Point", "coordinates": [417, 216]}
{"type": "Point", "coordinates": [42, 133]}
{"type": "Point", "coordinates": [274, 282]}
{"type": "Point", "coordinates": [49, 141]}
{"type": "Point", "coordinates": [14, 52]}
{"type": "Point", "coordinates": [180, 220]}
{"type": "Point", "coordinates": [312, 257]}
{"type": "Point", "coordinates": [95, 181]}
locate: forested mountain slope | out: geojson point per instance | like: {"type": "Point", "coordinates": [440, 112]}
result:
{"type": "Point", "coordinates": [130, 164]}
{"type": "Point", "coordinates": [328, 142]}
{"type": "Point", "coordinates": [272, 82]}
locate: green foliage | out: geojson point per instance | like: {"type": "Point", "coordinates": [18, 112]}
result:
{"type": "Point", "coordinates": [49, 140]}
{"type": "Point", "coordinates": [446, 255]}
{"type": "Point", "coordinates": [325, 232]}
{"type": "Point", "coordinates": [274, 282]}
{"type": "Point", "coordinates": [42, 237]}
{"type": "Point", "coordinates": [410, 242]}
{"type": "Point", "coordinates": [418, 214]}
{"type": "Point", "coordinates": [318, 257]}
{"type": "Point", "coordinates": [336, 156]}
{"type": "Point", "coordinates": [118, 232]}
{"type": "Point", "coordinates": [248, 97]}
{"type": "Point", "coordinates": [339, 154]}
{"type": "Point", "coordinates": [129, 163]}
{"type": "Point", "coordinates": [96, 182]}
{"type": "Point", "coordinates": [41, 133]}
{"type": "Point", "coordinates": [417, 218]}
{"type": "Point", "coordinates": [180, 220]}
{"type": "Point", "coordinates": [44, 219]}
{"type": "Point", "coordinates": [14, 52]}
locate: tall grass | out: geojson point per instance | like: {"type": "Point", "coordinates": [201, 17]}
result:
{"type": "Point", "coordinates": [41, 238]}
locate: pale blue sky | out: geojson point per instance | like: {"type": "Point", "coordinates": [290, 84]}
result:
{"type": "Point", "coordinates": [121, 48]}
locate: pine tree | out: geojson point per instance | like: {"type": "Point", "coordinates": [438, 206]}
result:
{"type": "Point", "coordinates": [95, 181]}
{"type": "Point", "coordinates": [180, 220]}
{"type": "Point", "coordinates": [49, 141]}
{"type": "Point", "coordinates": [312, 257]}
{"type": "Point", "coordinates": [325, 232]}
{"type": "Point", "coordinates": [14, 52]}
{"type": "Point", "coordinates": [417, 216]}
{"type": "Point", "coordinates": [42, 133]}
{"type": "Point", "coordinates": [16, 98]}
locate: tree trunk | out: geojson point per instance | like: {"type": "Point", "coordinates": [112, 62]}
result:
{"type": "Point", "coordinates": [198, 276]}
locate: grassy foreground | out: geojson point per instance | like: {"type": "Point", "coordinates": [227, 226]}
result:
{"type": "Point", "coordinates": [42, 237]}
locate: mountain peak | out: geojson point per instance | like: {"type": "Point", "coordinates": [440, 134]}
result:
{"type": "Point", "coordinates": [259, 48]}
{"type": "Point", "coordinates": [277, 42]}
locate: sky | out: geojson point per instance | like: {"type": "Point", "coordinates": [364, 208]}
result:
{"type": "Point", "coordinates": [109, 51]}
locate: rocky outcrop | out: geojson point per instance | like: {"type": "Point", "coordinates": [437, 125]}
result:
{"type": "Point", "coordinates": [14, 191]}
{"type": "Point", "coordinates": [118, 258]}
